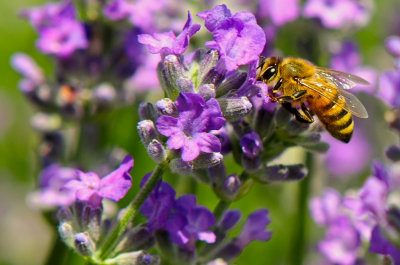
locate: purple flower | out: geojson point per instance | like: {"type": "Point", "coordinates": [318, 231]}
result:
{"type": "Point", "coordinates": [189, 132]}
{"type": "Point", "coordinates": [59, 31]}
{"type": "Point", "coordinates": [337, 13]}
{"type": "Point", "coordinates": [342, 242]}
{"type": "Point", "coordinates": [347, 59]}
{"type": "Point", "coordinates": [251, 144]}
{"type": "Point", "coordinates": [92, 189]}
{"type": "Point", "coordinates": [389, 85]}
{"type": "Point", "coordinates": [326, 208]}
{"type": "Point", "coordinates": [26, 66]}
{"type": "Point", "coordinates": [158, 205]}
{"type": "Point", "coordinates": [238, 38]}
{"type": "Point", "coordinates": [379, 244]}
{"type": "Point", "coordinates": [141, 13]}
{"type": "Point", "coordinates": [167, 43]}
{"type": "Point", "coordinates": [145, 77]}
{"type": "Point", "coordinates": [254, 229]}
{"type": "Point", "coordinates": [346, 159]}
{"type": "Point", "coordinates": [64, 39]}
{"type": "Point", "coordinates": [279, 11]}
{"type": "Point", "coordinates": [52, 179]}
{"type": "Point", "coordinates": [393, 45]}
{"type": "Point", "coordinates": [185, 221]}
{"type": "Point", "coordinates": [189, 223]}
{"type": "Point", "coordinates": [230, 219]}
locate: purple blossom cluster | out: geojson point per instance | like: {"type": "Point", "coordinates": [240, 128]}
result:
{"type": "Point", "coordinates": [350, 220]}
{"type": "Point", "coordinates": [186, 223]}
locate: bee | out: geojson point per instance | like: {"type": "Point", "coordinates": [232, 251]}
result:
{"type": "Point", "coordinates": [306, 90]}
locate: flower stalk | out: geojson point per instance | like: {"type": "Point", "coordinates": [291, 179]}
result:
{"type": "Point", "coordinates": [131, 212]}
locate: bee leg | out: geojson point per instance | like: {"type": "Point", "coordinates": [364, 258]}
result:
{"type": "Point", "coordinates": [300, 117]}
{"type": "Point", "coordinates": [298, 94]}
{"type": "Point", "coordinates": [277, 86]}
{"type": "Point", "coordinates": [307, 113]}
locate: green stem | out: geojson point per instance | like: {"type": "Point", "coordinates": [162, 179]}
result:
{"type": "Point", "coordinates": [299, 244]}
{"type": "Point", "coordinates": [58, 253]}
{"type": "Point", "coordinates": [131, 212]}
{"type": "Point", "coordinates": [220, 209]}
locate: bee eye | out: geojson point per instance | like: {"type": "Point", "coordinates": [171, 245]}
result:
{"type": "Point", "coordinates": [269, 73]}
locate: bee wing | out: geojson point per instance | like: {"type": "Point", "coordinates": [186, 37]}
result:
{"type": "Point", "coordinates": [353, 105]}
{"type": "Point", "coordinates": [340, 79]}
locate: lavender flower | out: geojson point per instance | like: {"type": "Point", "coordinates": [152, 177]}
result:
{"type": "Point", "coordinates": [189, 132]}
{"type": "Point", "coordinates": [254, 228]}
{"type": "Point", "coordinates": [347, 59]}
{"type": "Point", "coordinates": [338, 13]}
{"type": "Point", "coordinates": [380, 245]}
{"type": "Point", "coordinates": [140, 13]}
{"type": "Point", "coordinates": [238, 38]}
{"type": "Point", "coordinates": [389, 84]}
{"type": "Point", "coordinates": [167, 43]}
{"type": "Point", "coordinates": [278, 11]}
{"type": "Point", "coordinates": [50, 195]}
{"type": "Point", "coordinates": [92, 189]}
{"type": "Point", "coordinates": [26, 66]}
{"type": "Point", "coordinates": [189, 223]}
{"type": "Point", "coordinates": [185, 221]}
{"type": "Point", "coordinates": [352, 157]}
{"type": "Point", "coordinates": [392, 44]}
{"type": "Point", "coordinates": [60, 33]}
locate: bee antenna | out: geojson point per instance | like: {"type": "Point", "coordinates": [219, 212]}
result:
{"type": "Point", "coordinates": [262, 61]}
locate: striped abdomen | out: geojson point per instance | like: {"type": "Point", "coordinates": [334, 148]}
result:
{"type": "Point", "coordinates": [337, 121]}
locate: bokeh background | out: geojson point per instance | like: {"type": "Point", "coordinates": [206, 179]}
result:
{"type": "Point", "coordinates": [25, 237]}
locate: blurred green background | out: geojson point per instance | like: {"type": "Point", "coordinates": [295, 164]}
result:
{"type": "Point", "coordinates": [24, 235]}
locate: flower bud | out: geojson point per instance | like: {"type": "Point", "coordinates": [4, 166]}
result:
{"type": "Point", "coordinates": [235, 108]}
{"type": "Point", "coordinates": [393, 216]}
{"type": "Point", "coordinates": [66, 232]}
{"type": "Point", "coordinates": [231, 83]}
{"type": "Point", "coordinates": [166, 106]}
{"type": "Point", "coordinates": [169, 71]}
{"type": "Point", "coordinates": [251, 164]}
{"type": "Point", "coordinates": [134, 258]}
{"type": "Point", "coordinates": [84, 245]}
{"type": "Point", "coordinates": [264, 122]}
{"type": "Point", "coordinates": [209, 61]}
{"type": "Point", "coordinates": [44, 122]}
{"type": "Point", "coordinates": [279, 173]}
{"type": "Point", "coordinates": [104, 93]}
{"type": "Point", "coordinates": [295, 128]}
{"type": "Point", "coordinates": [230, 219]}
{"type": "Point", "coordinates": [147, 131]}
{"type": "Point", "coordinates": [156, 151]}
{"type": "Point", "coordinates": [206, 160]}
{"type": "Point", "coordinates": [207, 91]}
{"type": "Point", "coordinates": [147, 111]}
{"type": "Point", "coordinates": [393, 153]}
{"type": "Point", "coordinates": [180, 167]}
{"type": "Point", "coordinates": [135, 239]}
{"type": "Point", "coordinates": [282, 117]}
{"type": "Point", "coordinates": [184, 84]}
{"type": "Point", "coordinates": [213, 77]}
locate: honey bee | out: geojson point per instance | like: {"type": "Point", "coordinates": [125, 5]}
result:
{"type": "Point", "coordinates": [304, 90]}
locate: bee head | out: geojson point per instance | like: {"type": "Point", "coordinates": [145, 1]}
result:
{"type": "Point", "coordinates": [268, 68]}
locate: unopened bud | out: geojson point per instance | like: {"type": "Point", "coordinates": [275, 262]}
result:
{"type": "Point", "coordinates": [169, 71]}
{"type": "Point", "coordinates": [44, 122]}
{"type": "Point", "coordinates": [156, 151]}
{"type": "Point", "coordinates": [66, 232]}
{"type": "Point", "coordinates": [180, 167]}
{"type": "Point", "coordinates": [166, 106]}
{"type": "Point", "coordinates": [207, 91]}
{"type": "Point", "coordinates": [84, 245]}
{"type": "Point", "coordinates": [207, 63]}
{"type": "Point", "coordinates": [231, 83]}
{"type": "Point", "coordinates": [280, 173]}
{"type": "Point", "coordinates": [393, 153]}
{"type": "Point", "coordinates": [207, 160]}
{"type": "Point", "coordinates": [137, 238]}
{"type": "Point", "coordinates": [282, 117]}
{"type": "Point", "coordinates": [147, 111]}
{"type": "Point", "coordinates": [147, 131]}
{"type": "Point", "coordinates": [104, 93]}
{"type": "Point", "coordinates": [134, 258]}
{"type": "Point", "coordinates": [230, 219]}
{"type": "Point", "coordinates": [235, 108]}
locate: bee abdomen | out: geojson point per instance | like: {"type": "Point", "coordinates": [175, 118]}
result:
{"type": "Point", "coordinates": [338, 122]}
